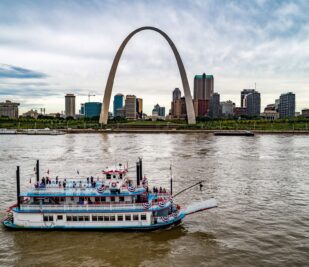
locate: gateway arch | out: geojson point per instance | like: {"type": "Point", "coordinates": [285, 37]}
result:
{"type": "Point", "coordinates": [112, 73]}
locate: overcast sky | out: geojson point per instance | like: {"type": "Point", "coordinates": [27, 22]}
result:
{"type": "Point", "coordinates": [50, 48]}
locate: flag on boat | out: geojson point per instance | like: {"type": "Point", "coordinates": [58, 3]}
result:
{"type": "Point", "coordinates": [161, 204]}
{"type": "Point", "coordinates": [101, 189]}
{"type": "Point", "coordinates": [165, 219]}
{"type": "Point", "coordinates": [147, 205]}
{"type": "Point", "coordinates": [47, 171]}
{"type": "Point", "coordinates": [131, 188]}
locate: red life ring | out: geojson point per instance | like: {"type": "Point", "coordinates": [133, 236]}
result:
{"type": "Point", "coordinates": [114, 184]}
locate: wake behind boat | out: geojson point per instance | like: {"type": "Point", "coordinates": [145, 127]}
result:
{"type": "Point", "coordinates": [112, 202]}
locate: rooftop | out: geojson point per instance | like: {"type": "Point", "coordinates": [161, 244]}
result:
{"type": "Point", "coordinates": [203, 75]}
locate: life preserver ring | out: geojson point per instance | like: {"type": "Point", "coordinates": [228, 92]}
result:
{"type": "Point", "coordinates": [114, 184]}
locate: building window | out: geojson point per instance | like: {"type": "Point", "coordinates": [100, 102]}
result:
{"type": "Point", "coordinates": [112, 218]}
{"type": "Point", "coordinates": [94, 218]}
{"type": "Point", "coordinates": [143, 217]}
{"type": "Point", "coordinates": [69, 218]}
{"type": "Point", "coordinates": [135, 217]}
{"type": "Point", "coordinates": [128, 217]}
{"type": "Point", "coordinates": [120, 218]}
{"type": "Point", "coordinates": [59, 217]}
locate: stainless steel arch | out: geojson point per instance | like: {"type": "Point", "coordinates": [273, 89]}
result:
{"type": "Point", "coordinates": [112, 73]}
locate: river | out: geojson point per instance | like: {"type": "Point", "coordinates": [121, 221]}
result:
{"type": "Point", "coordinates": [261, 184]}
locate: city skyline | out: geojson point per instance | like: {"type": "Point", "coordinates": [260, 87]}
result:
{"type": "Point", "coordinates": [47, 51]}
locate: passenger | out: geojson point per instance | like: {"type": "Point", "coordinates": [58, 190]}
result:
{"type": "Point", "coordinates": [56, 179]}
{"type": "Point", "coordinates": [160, 189]}
{"type": "Point", "coordinates": [164, 191]}
{"type": "Point", "coordinates": [91, 179]}
{"type": "Point", "coordinates": [64, 184]}
{"type": "Point", "coordinates": [59, 184]}
{"type": "Point", "coordinates": [80, 184]}
{"type": "Point", "coordinates": [74, 184]}
{"type": "Point", "coordinates": [87, 180]}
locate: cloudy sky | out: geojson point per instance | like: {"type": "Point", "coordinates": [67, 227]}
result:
{"type": "Point", "coordinates": [50, 48]}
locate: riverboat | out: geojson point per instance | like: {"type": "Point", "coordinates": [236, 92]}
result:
{"type": "Point", "coordinates": [112, 202]}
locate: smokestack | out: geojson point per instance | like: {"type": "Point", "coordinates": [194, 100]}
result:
{"type": "Point", "coordinates": [18, 186]}
{"type": "Point", "coordinates": [140, 169]}
{"type": "Point", "coordinates": [37, 171]}
{"type": "Point", "coordinates": [138, 173]}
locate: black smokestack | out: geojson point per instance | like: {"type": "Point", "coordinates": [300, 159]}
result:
{"type": "Point", "coordinates": [18, 186]}
{"type": "Point", "coordinates": [37, 171]}
{"type": "Point", "coordinates": [140, 169]}
{"type": "Point", "coordinates": [138, 173]}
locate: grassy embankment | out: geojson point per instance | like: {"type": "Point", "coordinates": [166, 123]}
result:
{"type": "Point", "coordinates": [296, 124]}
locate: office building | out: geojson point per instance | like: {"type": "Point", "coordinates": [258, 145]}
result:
{"type": "Point", "coordinates": [159, 110]}
{"type": "Point", "coordinates": [214, 106]}
{"type": "Point", "coordinates": [239, 111]}
{"type": "Point", "coordinates": [179, 110]}
{"type": "Point", "coordinates": [227, 108]}
{"type": "Point", "coordinates": [176, 94]}
{"type": "Point", "coordinates": [252, 102]}
{"type": "Point", "coordinates": [31, 114]}
{"type": "Point", "coordinates": [243, 93]}
{"type": "Point", "coordinates": [9, 109]}
{"type": "Point", "coordinates": [130, 107]}
{"type": "Point", "coordinates": [286, 106]}
{"type": "Point", "coordinates": [92, 109]}
{"type": "Point", "coordinates": [118, 103]}
{"type": "Point", "coordinates": [203, 86]}
{"type": "Point", "coordinates": [139, 108]}
{"type": "Point", "coordinates": [305, 112]}
{"type": "Point", "coordinates": [70, 105]}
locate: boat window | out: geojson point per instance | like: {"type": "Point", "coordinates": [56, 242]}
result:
{"type": "Point", "coordinates": [113, 218]}
{"type": "Point", "coordinates": [45, 218]}
{"type": "Point", "coordinates": [120, 217]}
{"type": "Point", "coordinates": [69, 218]}
{"type": "Point", "coordinates": [135, 217]}
{"type": "Point", "coordinates": [128, 217]}
{"type": "Point", "coordinates": [100, 218]}
{"type": "Point", "coordinates": [72, 198]}
{"type": "Point", "coordinates": [103, 199]}
{"type": "Point", "coordinates": [80, 218]}
{"type": "Point", "coordinates": [62, 199]}
{"type": "Point", "coordinates": [108, 176]}
{"type": "Point", "coordinates": [74, 218]}
{"type": "Point", "coordinates": [120, 176]}
{"type": "Point", "coordinates": [143, 217]}
{"type": "Point", "coordinates": [59, 217]}
{"type": "Point", "coordinates": [97, 199]}
{"type": "Point", "coordinates": [86, 218]}
{"type": "Point", "coordinates": [121, 198]}
{"type": "Point", "coordinates": [106, 218]}
{"type": "Point", "coordinates": [114, 176]}
{"type": "Point", "coordinates": [94, 218]}
{"type": "Point", "coordinates": [112, 199]}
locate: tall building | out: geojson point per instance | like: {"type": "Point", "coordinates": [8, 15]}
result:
{"type": "Point", "coordinates": [214, 106]}
{"type": "Point", "coordinates": [130, 107]}
{"type": "Point", "coordinates": [203, 86]}
{"type": "Point", "coordinates": [243, 93]}
{"type": "Point", "coordinates": [118, 103]}
{"type": "Point", "coordinates": [176, 94]}
{"type": "Point", "coordinates": [9, 109]}
{"type": "Point", "coordinates": [179, 110]}
{"type": "Point", "coordinates": [305, 112]}
{"type": "Point", "coordinates": [92, 109]}
{"type": "Point", "coordinates": [252, 102]}
{"type": "Point", "coordinates": [227, 108]}
{"type": "Point", "coordinates": [70, 105]}
{"type": "Point", "coordinates": [159, 110]}
{"type": "Point", "coordinates": [286, 106]}
{"type": "Point", "coordinates": [139, 107]}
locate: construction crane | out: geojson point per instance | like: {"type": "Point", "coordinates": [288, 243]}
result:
{"type": "Point", "coordinates": [89, 95]}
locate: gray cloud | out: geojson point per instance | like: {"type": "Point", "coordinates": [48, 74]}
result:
{"type": "Point", "coordinates": [8, 71]}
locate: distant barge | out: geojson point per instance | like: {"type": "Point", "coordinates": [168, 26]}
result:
{"type": "Point", "coordinates": [234, 133]}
